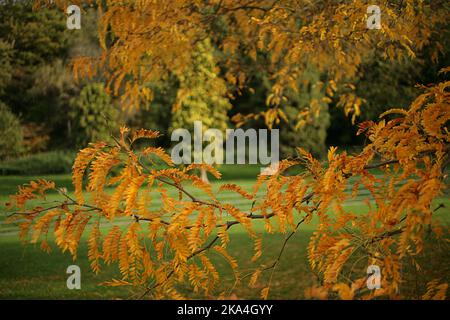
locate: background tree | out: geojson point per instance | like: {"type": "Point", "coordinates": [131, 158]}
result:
{"type": "Point", "coordinates": [201, 95]}
{"type": "Point", "coordinates": [38, 38]}
{"type": "Point", "coordinates": [5, 62]}
{"type": "Point", "coordinates": [35, 50]}
{"type": "Point", "coordinates": [156, 115]}
{"type": "Point", "coordinates": [93, 116]}
{"type": "Point", "coordinates": [384, 84]}
{"type": "Point", "coordinates": [309, 98]}
{"type": "Point", "coordinates": [52, 90]}
{"type": "Point", "coordinates": [10, 133]}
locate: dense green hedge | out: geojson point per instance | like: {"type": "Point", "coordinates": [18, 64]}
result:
{"type": "Point", "coordinates": [41, 163]}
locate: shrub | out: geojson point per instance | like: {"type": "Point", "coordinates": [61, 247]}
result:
{"type": "Point", "coordinates": [42, 163]}
{"type": "Point", "coordinates": [10, 133]}
{"type": "Point", "coordinates": [93, 114]}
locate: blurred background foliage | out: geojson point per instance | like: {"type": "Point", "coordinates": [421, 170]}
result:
{"type": "Point", "coordinates": [45, 115]}
{"type": "Point", "coordinates": [93, 115]}
{"type": "Point", "coordinates": [10, 133]}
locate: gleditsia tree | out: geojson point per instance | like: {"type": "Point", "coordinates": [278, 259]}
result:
{"type": "Point", "coordinates": [162, 248]}
{"type": "Point", "coordinates": [144, 41]}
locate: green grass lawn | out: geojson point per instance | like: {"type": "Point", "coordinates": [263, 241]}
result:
{"type": "Point", "coordinates": [28, 273]}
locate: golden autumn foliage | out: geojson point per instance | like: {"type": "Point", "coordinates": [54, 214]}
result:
{"type": "Point", "coordinates": [159, 249]}
{"type": "Point", "coordinates": [145, 41]}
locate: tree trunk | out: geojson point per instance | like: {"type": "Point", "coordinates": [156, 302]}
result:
{"type": "Point", "coordinates": [204, 175]}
